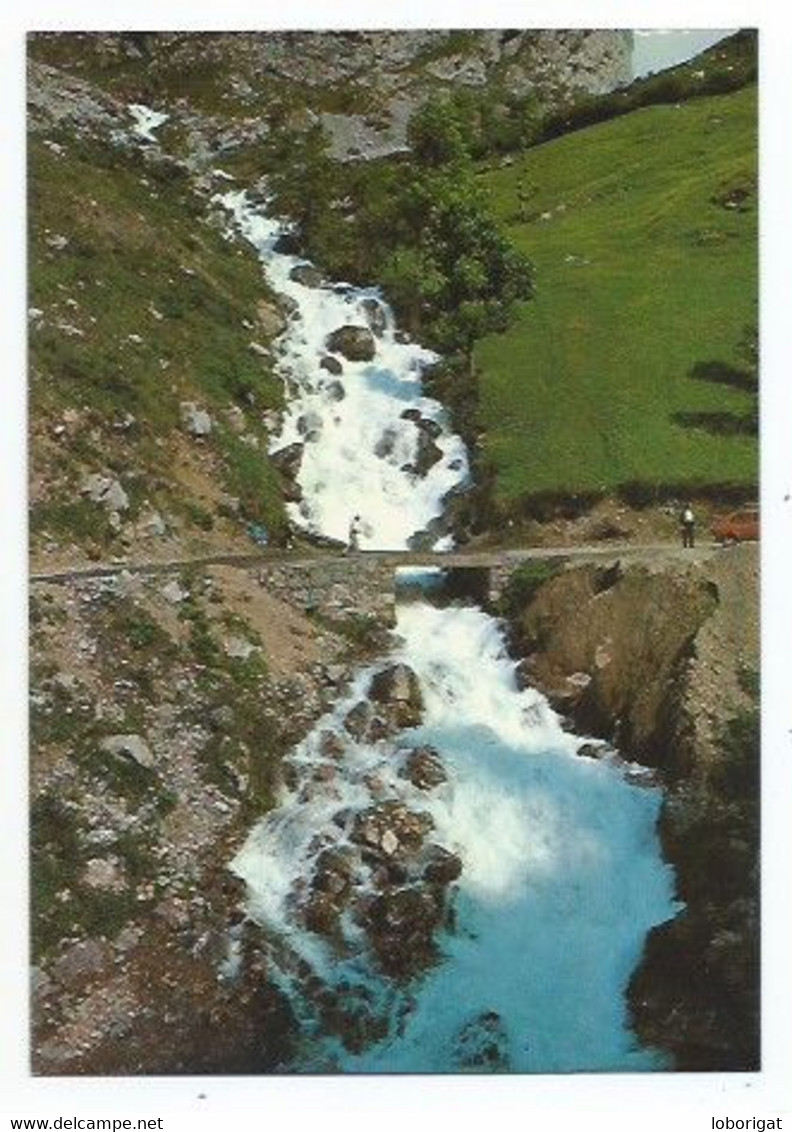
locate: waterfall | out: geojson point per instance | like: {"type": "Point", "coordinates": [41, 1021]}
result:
{"type": "Point", "coordinates": [368, 442]}
{"type": "Point", "coordinates": [561, 873]}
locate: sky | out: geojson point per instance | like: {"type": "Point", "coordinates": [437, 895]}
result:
{"type": "Point", "coordinates": [655, 50]}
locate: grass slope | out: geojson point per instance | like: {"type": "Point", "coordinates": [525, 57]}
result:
{"type": "Point", "coordinates": [141, 304]}
{"type": "Point", "coordinates": [642, 270]}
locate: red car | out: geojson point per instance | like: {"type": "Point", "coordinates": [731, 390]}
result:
{"type": "Point", "coordinates": [740, 526]}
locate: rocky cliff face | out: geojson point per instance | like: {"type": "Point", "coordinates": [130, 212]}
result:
{"type": "Point", "coordinates": [161, 707]}
{"type": "Point", "coordinates": [660, 657]}
{"type": "Point", "coordinates": [362, 85]}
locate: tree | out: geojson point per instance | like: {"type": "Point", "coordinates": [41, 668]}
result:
{"type": "Point", "coordinates": [435, 134]}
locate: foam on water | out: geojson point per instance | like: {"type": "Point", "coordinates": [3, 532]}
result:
{"type": "Point", "coordinates": [359, 450]}
{"type": "Point", "coordinates": [562, 874]}
{"type": "Point", "coordinates": [146, 120]}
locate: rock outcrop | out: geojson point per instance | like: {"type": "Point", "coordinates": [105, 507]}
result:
{"type": "Point", "coordinates": [355, 343]}
{"type": "Point", "coordinates": [659, 658]}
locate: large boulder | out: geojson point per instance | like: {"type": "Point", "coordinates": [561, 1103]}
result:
{"type": "Point", "coordinates": [427, 454]}
{"type": "Point", "coordinates": [386, 444]}
{"type": "Point", "coordinates": [482, 1043]}
{"type": "Point", "coordinates": [401, 925]}
{"type": "Point", "coordinates": [334, 871]}
{"type": "Point", "coordinates": [287, 460]}
{"type": "Point", "coordinates": [397, 691]}
{"type": "Point", "coordinates": [441, 866]}
{"type": "Point", "coordinates": [307, 275]}
{"type": "Point", "coordinates": [332, 365]}
{"type": "Point", "coordinates": [355, 343]}
{"type": "Point", "coordinates": [375, 316]}
{"type": "Point", "coordinates": [132, 747]}
{"type": "Point", "coordinates": [104, 489]}
{"type": "Point", "coordinates": [390, 830]}
{"type": "Point", "coordinates": [424, 768]}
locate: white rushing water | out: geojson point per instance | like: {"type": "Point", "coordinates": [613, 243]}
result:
{"type": "Point", "coordinates": [146, 120]}
{"type": "Point", "coordinates": [361, 455]}
{"type": "Point", "coordinates": [561, 872]}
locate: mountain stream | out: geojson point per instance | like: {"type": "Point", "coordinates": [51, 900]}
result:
{"type": "Point", "coordinates": [464, 893]}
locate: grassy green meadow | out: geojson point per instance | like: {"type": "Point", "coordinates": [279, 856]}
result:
{"type": "Point", "coordinates": [643, 235]}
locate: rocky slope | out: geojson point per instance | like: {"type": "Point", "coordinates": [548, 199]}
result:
{"type": "Point", "coordinates": [661, 659]}
{"type": "Point", "coordinates": [362, 86]}
{"type": "Point", "coordinates": [153, 392]}
{"type": "Point", "coordinates": [161, 709]}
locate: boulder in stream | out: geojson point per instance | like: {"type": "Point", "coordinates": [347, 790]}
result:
{"type": "Point", "coordinates": [389, 829]}
{"type": "Point", "coordinates": [401, 924]}
{"type": "Point", "coordinates": [287, 460]}
{"type": "Point", "coordinates": [332, 365]}
{"type": "Point", "coordinates": [307, 275]}
{"type": "Point", "coordinates": [424, 768]}
{"type": "Point", "coordinates": [355, 343]}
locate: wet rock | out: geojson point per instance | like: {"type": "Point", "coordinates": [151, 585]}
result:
{"type": "Point", "coordinates": [287, 243]}
{"type": "Point", "coordinates": [292, 492]}
{"type": "Point", "coordinates": [429, 427]}
{"type": "Point", "coordinates": [334, 871]}
{"type": "Point", "coordinates": [307, 275]}
{"type": "Point", "coordinates": [595, 751]}
{"type": "Point", "coordinates": [375, 316]}
{"type": "Point", "coordinates": [411, 415]}
{"type": "Point", "coordinates": [401, 925]}
{"type": "Point", "coordinates": [483, 1043]}
{"type": "Point", "coordinates": [442, 867]}
{"type": "Point", "coordinates": [128, 747]}
{"type": "Point", "coordinates": [320, 913]}
{"type": "Point", "coordinates": [424, 768]}
{"type": "Point", "coordinates": [309, 425]}
{"type": "Point", "coordinates": [356, 343]}
{"type": "Point", "coordinates": [174, 593]}
{"type": "Point", "coordinates": [426, 456]}
{"type": "Point", "coordinates": [335, 391]}
{"type": "Point", "coordinates": [287, 460]}
{"type": "Point", "coordinates": [151, 525]}
{"type": "Point", "coordinates": [331, 745]}
{"type": "Point", "coordinates": [358, 720]}
{"type": "Point", "coordinates": [104, 489]}
{"type": "Point", "coordinates": [195, 421]}
{"type": "Point", "coordinates": [396, 688]}
{"type": "Point", "coordinates": [332, 365]}
{"type": "Point", "coordinates": [386, 444]}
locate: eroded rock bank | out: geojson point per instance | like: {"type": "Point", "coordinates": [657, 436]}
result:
{"type": "Point", "coordinates": [162, 708]}
{"type": "Point", "coordinates": [660, 657]}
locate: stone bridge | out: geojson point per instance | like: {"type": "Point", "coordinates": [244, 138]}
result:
{"type": "Point", "coordinates": [365, 583]}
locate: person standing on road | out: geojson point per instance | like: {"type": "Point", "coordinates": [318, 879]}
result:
{"type": "Point", "coordinates": [355, 530]}
{"type": "Point", "coordinates": [687, 522]}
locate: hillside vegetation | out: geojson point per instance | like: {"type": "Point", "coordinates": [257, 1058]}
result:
{"type": "Point", "coordinates": [139, 306]}
{"type": "Point", "coordinates": [642, 232]}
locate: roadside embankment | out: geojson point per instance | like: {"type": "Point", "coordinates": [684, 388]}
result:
{"type": "Point", "coordinates": [660, 657]}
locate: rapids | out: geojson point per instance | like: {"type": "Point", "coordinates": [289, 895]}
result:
{"type": "Point", "coordinates": [366, 430]}
{"type": "Point", "coordinates": [561, 877]}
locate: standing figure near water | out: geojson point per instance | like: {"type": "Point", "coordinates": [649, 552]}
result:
{"type": "Point", "coordinates": [355, 530]}
{"type": "Point", "coordinates": [687, 522]}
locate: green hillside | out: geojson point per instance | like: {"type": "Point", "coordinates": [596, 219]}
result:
{"type": "Point", "coordinates": [138, 307]}
{"type": "Point", "coordinates": [643, 235]}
